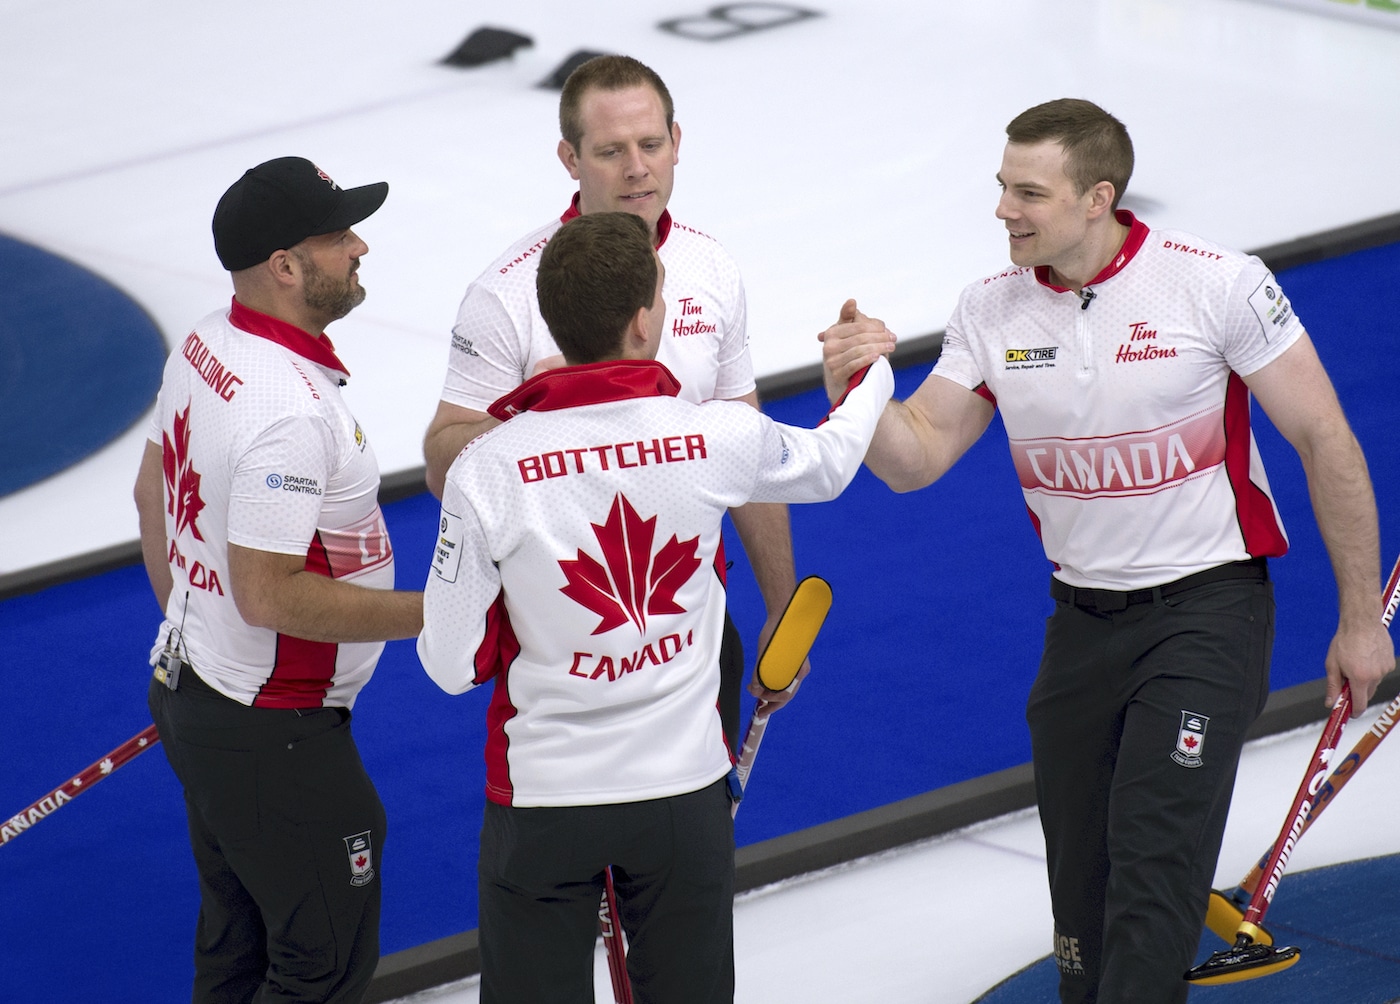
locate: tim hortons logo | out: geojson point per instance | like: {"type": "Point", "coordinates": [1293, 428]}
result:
{"type": "Point", "coordinates": [1146, 348]}
{"type": "Point", "coordinates": [631, 583]}
{"type": "Point", "coordinates": [181, 479]}
{"type": "Point", "coordinates": [690, 321]}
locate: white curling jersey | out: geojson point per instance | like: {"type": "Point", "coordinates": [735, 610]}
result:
{"type": "Point", "coordinates": [499, 334]}
{"type": "Point", "coordinates": [260, 450]}
{"type": "Point", "coordinates": [580, 566]}
{"type": "Point", "coordinates": [1128, 420]}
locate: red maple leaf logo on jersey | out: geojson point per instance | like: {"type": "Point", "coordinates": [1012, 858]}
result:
{"type": "Point", "coordinates": [181, 479]}
{"type": "Point", "coordinates": [630, 582]}
{"type": "Point", "coordinates": [1190, 742]}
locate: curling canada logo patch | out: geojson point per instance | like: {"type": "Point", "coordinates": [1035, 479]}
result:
{"type": "Point", "coordinates": [630, 583]}
{"type": "Point", "coordinates": [1190, 739]}
{"type": "Point", "coordinates": [361, 858]}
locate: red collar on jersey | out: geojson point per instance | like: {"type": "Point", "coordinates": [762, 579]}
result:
{"type": "Point", "coordinates": [663, 225]}
{"type": "Point", "coordinates": [319, 350]}
{"type": "Point", "coordinates": [590, 383]}
{"type": "Point", "coordinates": [1137, 234]}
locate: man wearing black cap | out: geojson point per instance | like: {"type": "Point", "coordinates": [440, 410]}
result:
{"type": "Point", "coordinates": [266, 548]}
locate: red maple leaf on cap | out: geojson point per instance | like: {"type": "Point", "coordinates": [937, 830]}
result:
{"type": "Point", "coordinates": [630, 582]}
{"type": "Point", "coordinates": [181, 479]}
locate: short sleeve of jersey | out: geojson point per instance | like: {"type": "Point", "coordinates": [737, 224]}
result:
{"type": "Point", "coordinates": [956, 360]}
{"type": "Point", "coordinates": [278, 483]}
{"type": "Point", "coordinates": [486, 359]}
{"type": "Point", "coordinates": [734, 377]}
{"type": "Point", "coordinates": [1259, 322]}
{"type": "Point", "coordinates": [463, 583]}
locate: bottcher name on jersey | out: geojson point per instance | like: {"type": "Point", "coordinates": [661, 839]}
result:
{"type": "Point", "coordinates": [1134, 463]}
{"type": "Point", "coordinates": [587, 459]}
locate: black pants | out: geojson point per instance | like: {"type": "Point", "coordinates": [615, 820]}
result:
{"type": "Point", "coordinates": [1137, 718]}
{"type": "Point", "coordinates": [540, 877]}
{"type": "Point", "coordinates": [287, 832]}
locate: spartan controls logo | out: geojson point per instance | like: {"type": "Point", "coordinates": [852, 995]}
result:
{"type": "Point", "coordinates": [1190, 739]}
{"type": "Point", "coordinates": [630, 583]}
{"type": "Point", "coordinates": [1031, 359]}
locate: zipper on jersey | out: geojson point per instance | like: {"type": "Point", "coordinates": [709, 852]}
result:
{"type": "Point", "coordinates": [1081, 327]}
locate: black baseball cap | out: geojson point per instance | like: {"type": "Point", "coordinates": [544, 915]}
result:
{"type": "Point", "coordinates": [282, 202]}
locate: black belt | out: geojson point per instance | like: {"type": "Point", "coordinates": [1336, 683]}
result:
{"type": "Point", "coordinates": [1110, 600]}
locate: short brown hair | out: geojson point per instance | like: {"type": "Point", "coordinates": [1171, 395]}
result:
{"type": "Point", "coordinates": [1097, 146]}
{"type": "Point", "coordinates": [595, 273]}
{"type": "Point", "coordinates": [606, 73]}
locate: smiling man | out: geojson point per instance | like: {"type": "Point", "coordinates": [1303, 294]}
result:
{"type": "Point", "coordinates": [621, 143]}
{"type": "Point", "coordinates": [1123, 361]}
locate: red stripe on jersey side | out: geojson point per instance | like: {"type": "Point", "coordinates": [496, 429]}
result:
{"type": "Point", "coordinates": [494, 656]}
{"type": "Point", "coordinates": [301, 670]}
{"type": "Point", "coordinates": [721, 566]}
{"type": "Point", "coordinates": [318, 557]}
{"type": "Point", "coordinates": [985, 393]}
{"type": "Point", "coordinates": [1263, 537]}
{"type": "Point", "coordinates": [301, 674]}
{"type": "Point", "coordinates": [1035, 523]}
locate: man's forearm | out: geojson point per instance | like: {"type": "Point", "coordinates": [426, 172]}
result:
{"type": "Point", "coordinates": [898, 456]}
{"type": "Point", "coordinates": [444, 440]}
{"type": "Point", "coordinates": [149, 494]}
{"type": "Point", "coordinates": [317, 608]}
{"type": "Point", "coordinates": [275, 591]}
{"type": "Point", "coordinates": [766, 534]}
{"type": "Point", "coordinates": [1344, 506]}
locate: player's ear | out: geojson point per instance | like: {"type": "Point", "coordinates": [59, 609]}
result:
{"type": "Point", "coordinates": [1101, 199]}
{"type": "Point", "coordinates": [636, 341]}
{"type": "Point", "coordinates": [675, 142]}
{"type": "Point", "coordinates": [283, 267]}
{"type": "Point", "coordinates": [568, 156]}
